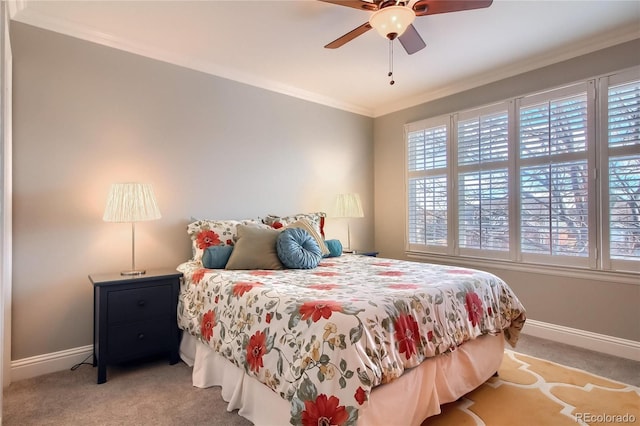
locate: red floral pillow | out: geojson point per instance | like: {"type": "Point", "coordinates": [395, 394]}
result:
{"type": "Point", "coordinates": [206, 233]}
{"type": "Point", "coordinates": [316, 219]}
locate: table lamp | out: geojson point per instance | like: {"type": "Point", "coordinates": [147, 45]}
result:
{"type": "Point", "coordinates": [131, 202]}
{"type": "Point", "coordinates": [348, 206]}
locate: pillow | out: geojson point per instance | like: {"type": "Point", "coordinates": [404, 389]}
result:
{"type": "Point", "coordinates": [297, 249]}
{"type": "Point", "coordinates": [216, 257]}
{"type": "Point", "coordinates": [255, 248]}
{"type": "Point", "coordinates": [316, 219]}
{"type": "Point", "coordinates": [307, 226]}
{"type": "Point", "coordinates": [206, 233]}
{"type": "Point", "coordinates": [335, 248]}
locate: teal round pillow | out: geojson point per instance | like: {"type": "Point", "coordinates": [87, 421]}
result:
{"type": "Point", "coordinates": [335, 248]}
{"type": "Point", "coordinates": [297, 249]}
{"type": "Point", "coordinates": [216, 257]}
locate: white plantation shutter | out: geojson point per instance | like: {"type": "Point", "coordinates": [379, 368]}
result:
{"type": "Point", "coordinates": [483, 213]}
{"type": "Point", "coordinates": [554, 127]}
{"type": "Point", "coordinates": [428, 211]}
{"type": "Point", "coordinates": [483, 192]}
{"type": "Point", "coordinates": [624, 207]}
{"type": "Point", "coordinates": [535, 223]}
{"type": "Point", "coordinates": [623, 135]}
{"type": "Point", "coordinates": [554, 178]}
{"type": "Point", "coordinates": [554, 209]}
{"type": "Point", "coordinates": [551, 178]}
{"type": "Point", "coordinates": [483, 139]}
{"type": "Point", "coordinates": [624, 115]}
{"type": "Point", "coordinates": [427, 161]}
{"type": "Point", "coordinates": [428, 149]}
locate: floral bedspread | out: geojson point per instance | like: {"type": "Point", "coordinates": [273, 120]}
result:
{"type": "Point", "coordinates": [323, 338]}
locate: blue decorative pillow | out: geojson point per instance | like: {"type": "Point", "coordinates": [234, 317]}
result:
{"type": "Point", "coordinates": [216, 257]}
{"type": "Point", "coordinates": [335, 248]}
{"type": "Point", "coordinates": [297, 249]}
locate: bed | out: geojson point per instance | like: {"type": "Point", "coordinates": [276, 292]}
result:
{"type": "Point", "coordinates": [356, 340]}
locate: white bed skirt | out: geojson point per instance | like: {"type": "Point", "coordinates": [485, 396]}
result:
{"type": "Point", "coordinates": [419, 392]}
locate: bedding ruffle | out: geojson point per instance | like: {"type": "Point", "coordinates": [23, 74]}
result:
{"type": "Point", "coordinates": [416, 395]}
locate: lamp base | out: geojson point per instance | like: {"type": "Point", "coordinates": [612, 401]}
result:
{"type": "Point", "coordinates": [134, 272]}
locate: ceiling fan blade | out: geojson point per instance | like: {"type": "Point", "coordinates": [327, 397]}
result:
{"type": "Point", "coordinates": [356, 4]}
{"type": "Point", "coordinates": [349, 36]}
{"type": "Point", "coordinates": [432, 7]}
{"type": "Point", "coordinates": [411, 40]}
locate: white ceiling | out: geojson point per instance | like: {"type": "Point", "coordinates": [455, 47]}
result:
{"type": "Point", "coordinates": [278, 45]}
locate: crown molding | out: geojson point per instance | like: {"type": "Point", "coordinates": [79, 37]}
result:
{"type": "Point", "coordinates": [15, 7]}
{"type": "Point", "coordinates": [84, 32]}
{"type": "Point", "coordinates": [18, 11]}
{"type": "Point", "coordinates": [618, 36]}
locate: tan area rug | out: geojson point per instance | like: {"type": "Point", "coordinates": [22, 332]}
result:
{"type": "Point", "coordinates": [530, 391]}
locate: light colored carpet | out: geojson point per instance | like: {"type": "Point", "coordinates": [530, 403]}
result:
{"type": "Point", "coordinates": [156, 393]}
{"type": "Point", "coordinates": [145, 393]}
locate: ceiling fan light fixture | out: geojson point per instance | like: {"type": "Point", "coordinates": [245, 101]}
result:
{"type": "Point", "coordinates": [392, 21]}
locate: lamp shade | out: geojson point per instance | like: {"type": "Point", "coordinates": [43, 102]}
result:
{"type": "Point", "coordinates": [131, 202]}
{"type": "Point", "coordinates": [348, 205]}
{"type": "Point", "coordinates": [392, 21]}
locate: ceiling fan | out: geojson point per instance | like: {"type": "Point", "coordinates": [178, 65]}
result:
{"type": "Point", "coordinates": [394, 18]}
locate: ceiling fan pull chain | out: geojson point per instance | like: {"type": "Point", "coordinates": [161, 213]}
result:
{"type": "Point", "coordinates": [392, 82]}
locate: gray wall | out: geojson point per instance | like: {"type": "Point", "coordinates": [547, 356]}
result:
{"type": "Point", "coordinates": [598, 306]}
{"type": "Point", "coordinates": [86, 116]}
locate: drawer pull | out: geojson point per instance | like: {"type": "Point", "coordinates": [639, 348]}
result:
{"type": "Point", "coordinates": [141, 303]}
{"type": "Point", "coordinates": [141, 336]}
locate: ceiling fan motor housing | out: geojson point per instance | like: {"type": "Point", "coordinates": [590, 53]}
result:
{"type": "Point", "coordinates": [392, 21]}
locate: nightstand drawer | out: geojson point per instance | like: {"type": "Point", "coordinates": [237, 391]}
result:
{"type": "Point", "coordinates": [138, 339]}
{"type": "Point", "coordinates": [139, 304]}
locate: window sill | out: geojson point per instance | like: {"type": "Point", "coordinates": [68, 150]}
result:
{"type": "Point", "coordinates": [563, 271]}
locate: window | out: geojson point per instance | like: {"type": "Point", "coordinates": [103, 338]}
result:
{"type": "Point", "coordinates": [483, 177]}
{"type": "Point", "coordinates": [529, 180]}
{"type": "Point", "coordinates": [621, 176]}
{"type": "Point", "coordinates": [427, 185]}
{"type": "Point", "coordinates": [553, 135]}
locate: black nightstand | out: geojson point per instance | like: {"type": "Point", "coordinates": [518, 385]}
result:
{"type": "Point", "coordinates": [366, 253]}
{"type": "Point", "coordinates": [134, 317]}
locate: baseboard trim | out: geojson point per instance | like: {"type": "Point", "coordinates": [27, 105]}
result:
{"type": "Point", "coordinates": [57, 361]}
{"type": "Point", "coordinates": [610, 345]}
{"type": "Point", "coordinates": [49, 363]}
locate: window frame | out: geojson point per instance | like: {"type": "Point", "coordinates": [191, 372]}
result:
{"type": "Point", "coordinates": [604, 83]}
{"type": "Point", "coordinates": [597, 159]}
{"type": "Point", "coordinates": [463, 116]}
{"type": "Point", "coordinates": [588, 87]}
{"type": "Point", "coordinates": [413, 127]}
